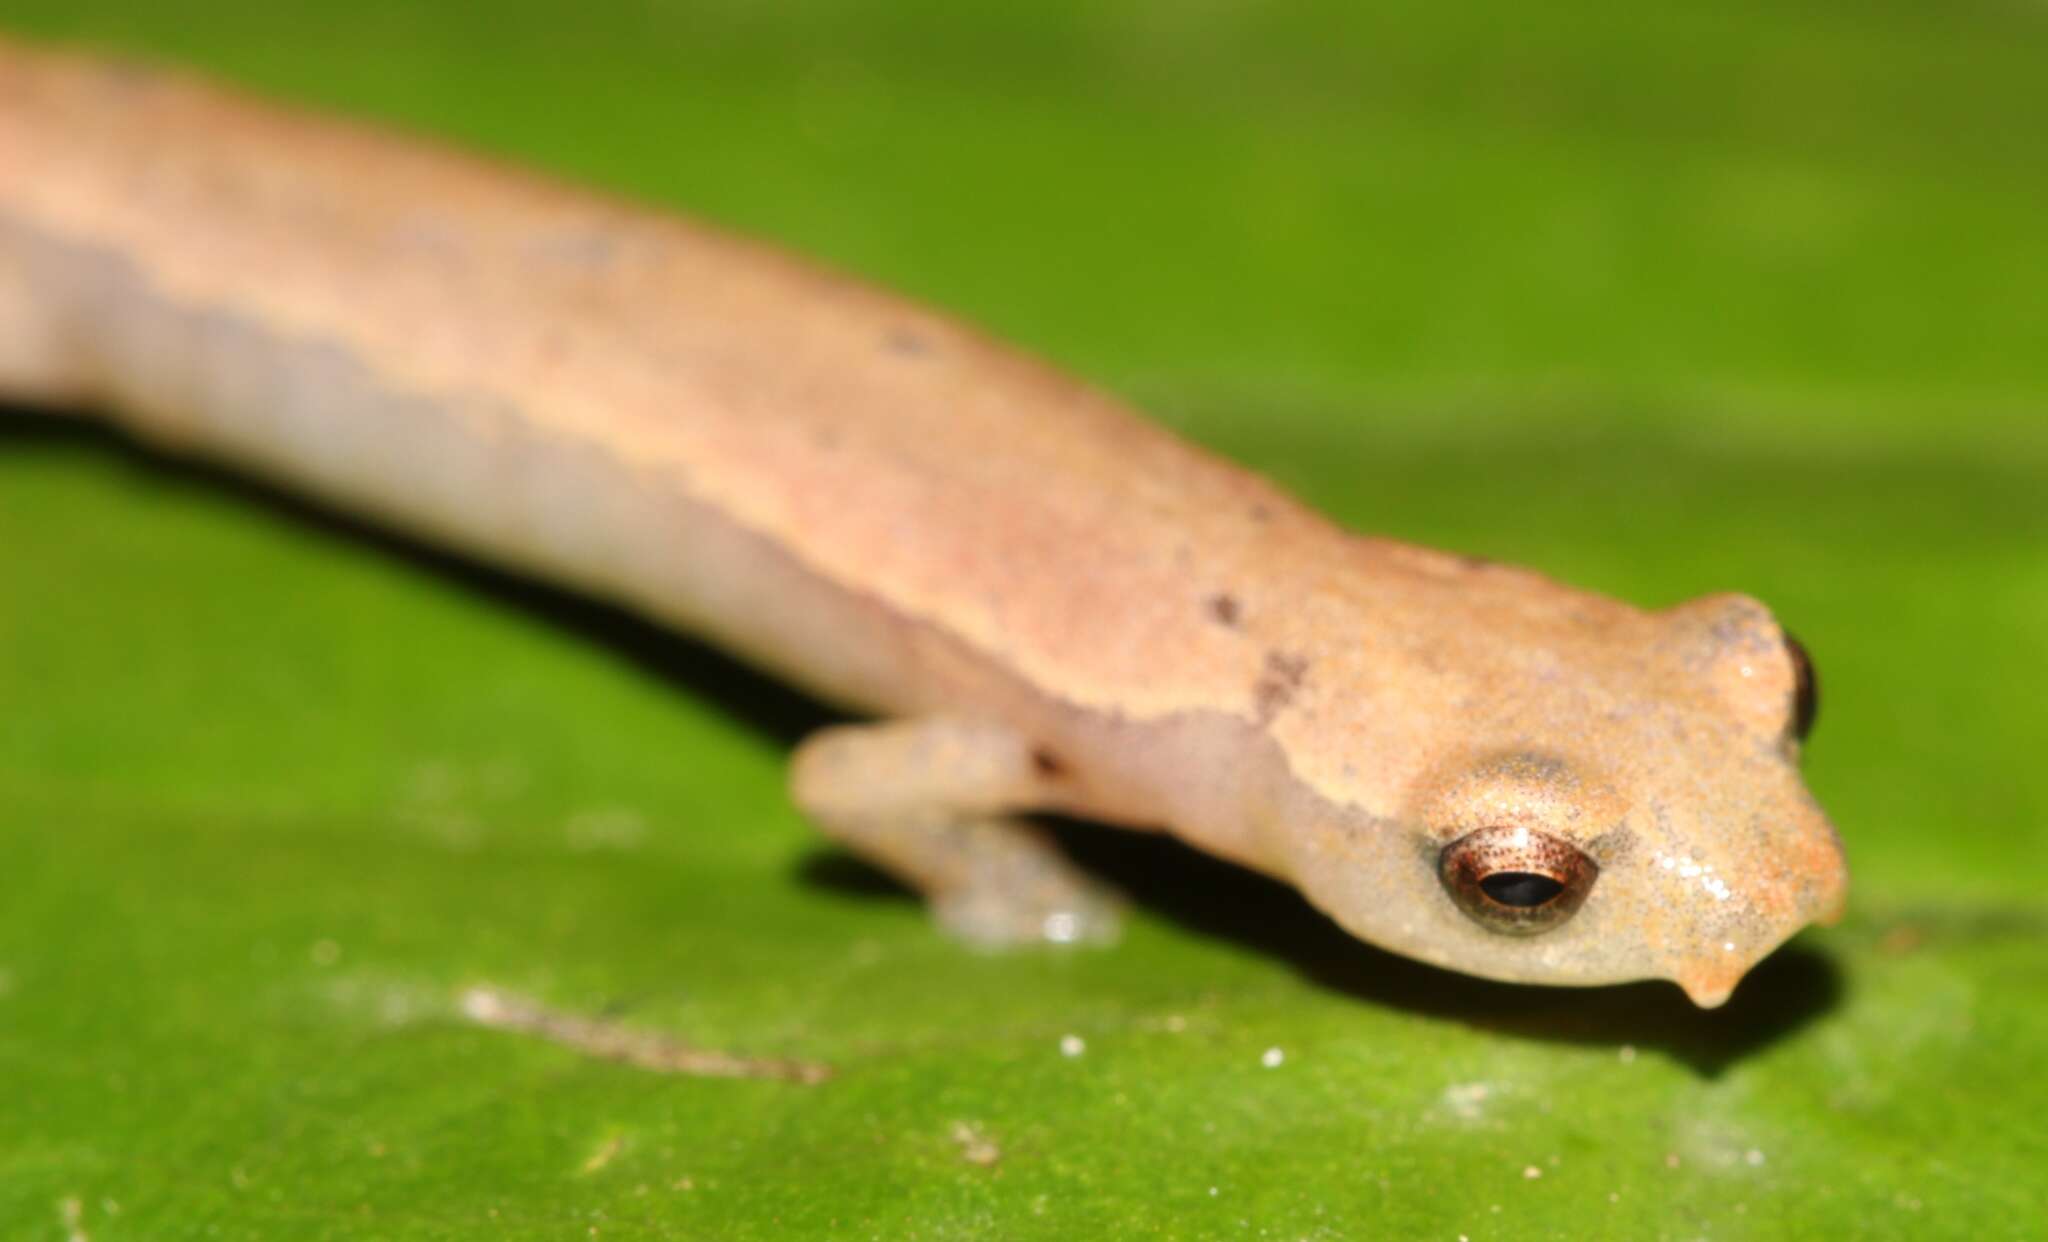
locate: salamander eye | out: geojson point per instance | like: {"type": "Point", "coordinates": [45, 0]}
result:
{"type": "Point", "coordinates": [1516, 880]}
{"type": "Point", "coordinates": [1805, 688]}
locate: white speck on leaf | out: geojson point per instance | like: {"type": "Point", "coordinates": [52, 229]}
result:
{"type": "Point", "coordinates": [976, 1147]}
{"type": "Point", "coordinates": [71, 1211]}
{"type": "Point", "coordinates": [1072, 1045]}
{"type": "Point", "coordinates": [1272, 1058]}
{"type": "Point", "coordinates": [1467, 1100]}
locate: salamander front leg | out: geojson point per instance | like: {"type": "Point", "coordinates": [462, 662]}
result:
{"type": "Point", "coordinates": [934, 803]}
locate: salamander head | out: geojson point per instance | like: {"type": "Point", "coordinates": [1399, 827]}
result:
{"type": "Point", "coordinates": [1644, 819]}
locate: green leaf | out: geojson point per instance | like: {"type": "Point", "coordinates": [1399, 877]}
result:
{"type": "Point", "coordinates": [331, 865]}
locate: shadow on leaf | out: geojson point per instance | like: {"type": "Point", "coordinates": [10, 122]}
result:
{"type": "Point", "coordinates": [764, 704]}
{"type": "Point", "coordinates": [1788, 990]}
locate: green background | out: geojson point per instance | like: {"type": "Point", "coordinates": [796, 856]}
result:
{"type": "Point", "coordinates": [1714, 296]}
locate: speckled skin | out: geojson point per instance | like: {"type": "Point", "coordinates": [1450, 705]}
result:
{"type": "Point", "coordinates": [891, 510]}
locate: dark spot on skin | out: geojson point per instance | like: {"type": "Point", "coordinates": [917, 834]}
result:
{"type": "Point", "coordinates": [906, 343]}
{"type": "Point", "coordinates": [129, 77]}
{"type": "Point", "coordinates": [1612, 846]}
{"type": "Point", "coordinates": [1477, 562]}
{"type": "Point", "coordinates": [1225, 609]}
{"type": "Point", "coordinates": [1260, 513]}
{"type": "Point", "coordinates": [1278, 684]}
{"type": "Point", "coordinates": [1047, 764]}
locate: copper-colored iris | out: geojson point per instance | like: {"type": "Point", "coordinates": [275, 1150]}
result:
{"type": "Point", "coordinates": [1516, 880]}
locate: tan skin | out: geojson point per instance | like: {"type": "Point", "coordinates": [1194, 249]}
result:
{"type": "Point", "coordinates": [1049, 603]}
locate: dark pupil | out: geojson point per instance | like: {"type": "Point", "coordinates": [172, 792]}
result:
{"type": "Point", "coordinates": [1520, 888]}
{"type": "Point", "coordinates": [1806, 691]}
